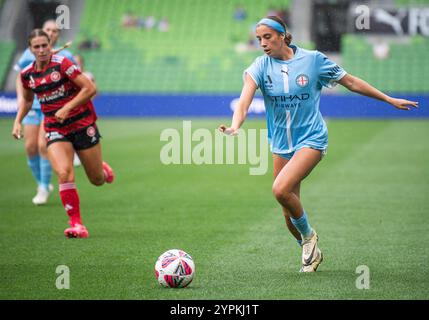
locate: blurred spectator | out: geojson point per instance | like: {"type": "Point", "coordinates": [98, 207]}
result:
{"type": "Point", "coordinates": [163, 25]}
{"type": "Point", "coordinates": [240, 13]}
{"type": "Point", "coordinates": [281, 13]}
{"type": "Point", "coordinates": [140, 22]}
{"type": "Point", "coordinates": [250, 45]}
{"type": "Point", "coordinates": [80, 63]}
{"type": "Point", "coordinates": [271, 12]}
{"type": "Point", "coordinates": [129, 20]}
{"type": "Point", "coordinates": [381, 50]}
{"type": "Point", "coordinates": [252, 42]}
{"type": "Point", "coordinates": [89, 44]}
{"type": "Point", "coordinates": [285, 16]}
{"type": "Point", "coordinates": [150, 22]}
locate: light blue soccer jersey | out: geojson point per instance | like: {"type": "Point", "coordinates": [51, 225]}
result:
{"type": "Point", "coordinates": [291, 91]}
{"type": "Point", "coordinates": [27, 57]}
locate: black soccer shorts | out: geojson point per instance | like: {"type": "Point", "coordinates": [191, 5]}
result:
{"type": "Point", "coordinates": [84, 138]}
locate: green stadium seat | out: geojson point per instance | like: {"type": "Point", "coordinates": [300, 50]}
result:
{"type": "Point", "coordinates": [7, 49]}
{"type": "Point", "coordinates": [403, 71]}
{"type": "Point", "coordinates": [195, 55]}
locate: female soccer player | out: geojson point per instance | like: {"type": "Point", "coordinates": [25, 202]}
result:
{"type": "Point", "coordinates": [65, 97]}
{"type": "Point", "coordinates": [34, 135]}
{"type": "Point", "coordinates": [291, 79]}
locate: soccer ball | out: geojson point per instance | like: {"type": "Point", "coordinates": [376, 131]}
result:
{"type": "Point", "coordinates": [175, 269]}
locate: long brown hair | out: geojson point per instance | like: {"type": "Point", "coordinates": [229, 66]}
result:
{"type": "Point", "coordinates": [37, 33]}
{"type": "Point", "coordinates": [288, 36]}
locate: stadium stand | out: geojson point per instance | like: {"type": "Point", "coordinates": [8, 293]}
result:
{"type": "Point", "coordinates": [205, 46]}
{"type": "Point", "coordinates": [7, 49]}
{"type": "Point", "coordinates": [404, 68]}
{"type": "Point", "coordinates": [405, 3]}
{"type": "Point", "coordinates": [199, 52]}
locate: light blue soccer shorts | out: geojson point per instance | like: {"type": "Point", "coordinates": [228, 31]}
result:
{"type": "Point", "coordinates": [289, 155]}
{"type": "Point", "coordinates": [33, 117]}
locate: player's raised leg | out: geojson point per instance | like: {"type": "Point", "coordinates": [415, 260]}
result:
{"type": "Point", "coordinates": [61, 155]}
{"type": "Point", "coordinates": [97, 171]}
{"type": "Point", "coordinates": [296, 170]}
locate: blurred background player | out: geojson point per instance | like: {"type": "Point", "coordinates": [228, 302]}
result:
{"type": "Point", "coordinates": [65, 96]}
{"type": "Point", "coordinates": [34, 134]}
{"type": "Point", "coordinates": [81, 63]}
{"type": "Point", "coordinates": [297, 133]}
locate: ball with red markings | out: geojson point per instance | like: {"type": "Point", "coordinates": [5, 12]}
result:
{"type": "Point", "coordinates": [175, 269]}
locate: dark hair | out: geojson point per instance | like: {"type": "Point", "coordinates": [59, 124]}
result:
{"type": "Point", "coordinates": [288, 36]}
{"type": "Point", "coordinates": [37, 33]}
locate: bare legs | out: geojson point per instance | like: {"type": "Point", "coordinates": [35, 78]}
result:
{"type": "Point", "coordinates": [288, 175]}
{"type": "Point", "coordinates": [61, 157]}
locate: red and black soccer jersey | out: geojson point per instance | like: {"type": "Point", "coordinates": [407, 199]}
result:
{"type": "Point", "coordinates": [54, 88]}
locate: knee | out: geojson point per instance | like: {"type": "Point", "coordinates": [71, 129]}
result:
{"type": "Point", "coordinates": [65, 175]}
{"type": "Point", "coordinates": [97, 180]}
{"type": "Point", "coordinates": [281, 192]}
{"type": "Point", "coordinates": [31, 149]}
{"type": "Point", "coordinates": [43, 150]}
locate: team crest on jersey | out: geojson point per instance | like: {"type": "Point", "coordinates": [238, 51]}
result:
{"type": "Point", "coordinates": [90, 131]}
{"type": "Point", "coordinates": [55, 76]}
{"type": "Point", "coordinates": [302, 80]}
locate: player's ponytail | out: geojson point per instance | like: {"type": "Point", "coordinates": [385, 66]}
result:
{"type": "Point", "coordinates": [288, 38]}
{"type": "Point", "coordinates": [288, 35]}
{"type": "Point", "coordinates": [37, 33]}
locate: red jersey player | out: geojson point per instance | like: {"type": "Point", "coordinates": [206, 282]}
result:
{"type": "Point", "coordinates": [65, 96]}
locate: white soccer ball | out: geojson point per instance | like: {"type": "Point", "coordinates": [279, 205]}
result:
{"type": "Point", "coordinates": [175, 269]}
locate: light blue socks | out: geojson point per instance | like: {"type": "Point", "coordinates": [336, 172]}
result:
{"type": "Point", "coordinates": [45, 173]}
{"type": "Point", "coordinates": [302, 225]}
{"type": "Point", "coordinates": [34, 165]}
{"type": "Point", "coordinates": [41, 170]}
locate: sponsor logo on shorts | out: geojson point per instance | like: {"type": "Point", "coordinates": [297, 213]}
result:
{"type": "Point", "coordinates": [55, 76]}
{"type": "Point", "coordinates": [90, 131]}
{"type": "Point", "coordinates": [54, 135]}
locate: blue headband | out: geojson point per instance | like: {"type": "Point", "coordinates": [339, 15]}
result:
{"type": "Point", "coordinates": [272, 24]}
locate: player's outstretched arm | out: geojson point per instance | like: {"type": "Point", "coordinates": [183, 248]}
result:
{"type": "Point", "coordinates": [25, 101]}
{"type": "Point", "coordinates": [360, 86]}
{"type": "Point", "coordinates": [240, 113]}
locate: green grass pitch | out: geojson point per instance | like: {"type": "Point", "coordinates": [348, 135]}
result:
{"type": "Point", "coordinates": [368, 199]}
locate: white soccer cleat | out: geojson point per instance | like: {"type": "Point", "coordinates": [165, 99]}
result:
{"type": "Point", "coordinates": [41, 197]}
{"type": "Point", "coordinates": [76, 160]}
{"type": "Point", "coordinates": [311, 254]}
